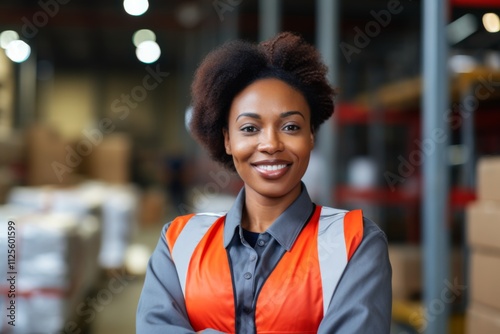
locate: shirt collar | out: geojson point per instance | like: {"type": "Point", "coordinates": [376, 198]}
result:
{"type": "Point", "coordinates": [285, 229]}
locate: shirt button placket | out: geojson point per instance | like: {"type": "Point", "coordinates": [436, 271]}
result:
{"type": "Point", "coordinates": [249, 276]}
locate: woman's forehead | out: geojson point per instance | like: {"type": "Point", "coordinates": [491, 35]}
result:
{"type": "Point", "coordinates": [267, 96]}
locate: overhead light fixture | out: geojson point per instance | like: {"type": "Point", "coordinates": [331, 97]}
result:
{"type": "Point", "coordinates": [143, 35]}
{"type": "Point", "coordinates": [6, 37]}
{"type": "Point", "coordinates": [18, 51]}
{"type": "Point", "coordinates": [461, 28]}
{"type": "Point", "coordinates": [462, 63]}
{"type": "Point", "coordinates": [491, 22]}
{"type": "Point", "coordinates": [148, 52]}
{"type": "Point", "coordinates": [458, 155]}
{"type": "Point", "coordinates": [135, 7]}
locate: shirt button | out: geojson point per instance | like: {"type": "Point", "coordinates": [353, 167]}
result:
{"type": "Point", "coordinates": [261, 242]}
{"type": "Point", "coordinates": [247, 275]}
{"type": "Point", "coordinates": [253, 257]}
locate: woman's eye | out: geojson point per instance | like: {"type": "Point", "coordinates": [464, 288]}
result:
{"type": "Point", "coordinates": [291, 127]}
{"type": "Point", "coordinates": [249, 128]}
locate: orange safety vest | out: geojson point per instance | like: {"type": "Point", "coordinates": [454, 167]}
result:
{"type": "Point", "coordinates": [296, 294]}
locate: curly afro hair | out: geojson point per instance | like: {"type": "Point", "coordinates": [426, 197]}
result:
{"type": "Point", "coordinates": [230, 68]}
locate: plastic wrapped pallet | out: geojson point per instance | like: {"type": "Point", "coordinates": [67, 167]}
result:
{"type": "Point", "coordinates": [119, 214]}
{"type": "Point", "coordinates": [50, 270]}
{"type": "Point", "coordinates": [115, 205]}
{"type": "Point", "coordinates": [52, 199]}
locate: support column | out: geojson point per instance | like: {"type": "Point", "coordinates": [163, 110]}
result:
{"type": "Point", "coordinates": [269, 18]}
{"type": "Point", "coordinates": [435, 99]}
{"type": "Point", "coordinates": [328, 40]}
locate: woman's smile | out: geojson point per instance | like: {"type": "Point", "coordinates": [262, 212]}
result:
{"type": "Point", "coordinates": [272, 169]}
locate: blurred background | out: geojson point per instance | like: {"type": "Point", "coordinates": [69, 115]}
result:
{"type": "Point", "coordinates": [95, 155]}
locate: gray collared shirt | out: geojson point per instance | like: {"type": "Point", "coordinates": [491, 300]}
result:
{"type": "Point", "coordinates": [361, 302]}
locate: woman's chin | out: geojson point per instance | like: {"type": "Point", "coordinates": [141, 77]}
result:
{"type": "Point", "coordinates": [274, 190]}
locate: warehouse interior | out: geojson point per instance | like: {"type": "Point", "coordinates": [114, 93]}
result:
{"type": "Point", "coordinates": [96, 155]}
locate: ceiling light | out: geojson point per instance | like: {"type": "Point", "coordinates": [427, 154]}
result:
{"type": "Point", "coordinates": [491, 22]}
{"type": "Point", "coordinates": [458, 154]}
{"type": "Point", "coordinates": [135, 7]}
{"type": "Point", "coordinates": [18, 51]}
{"type": "Point", "coordinates": [462, 63]}
{"type": "Point", "coordinates": [461, 28]}
{"type": "Point", "coordinates": [143, 35]}
{"type": "Point", "coordinates": [6, 37]}
{"type": "Point", "coordinates": [148, 52]}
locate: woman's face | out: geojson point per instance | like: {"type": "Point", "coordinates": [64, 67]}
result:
{"type": "Point", "coordinates": [269, 136]}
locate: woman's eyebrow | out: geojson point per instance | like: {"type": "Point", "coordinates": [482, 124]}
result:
{"type": "Point", "coordinates": [282, 115]}
{"type": "Point", "coordinates": [248, 114]}
{"type": "Point", "coordinates": [290, 113]}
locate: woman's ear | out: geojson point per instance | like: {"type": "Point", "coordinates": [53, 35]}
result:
{"type": "Point", "coordinates": [312, 140]}
{"type": "Point", "coordinates": [227, 145]}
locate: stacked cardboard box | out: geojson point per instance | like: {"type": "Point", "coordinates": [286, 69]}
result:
{"type": "Point", "coordinates": [46, 157]}
{"type": "Point", "coordinates": [7, 89]}
{"type": "Point", "coordinates": [110, 160]}
{"type": "Point", "coordinates": [483, 232]}
{"type": "Point", "coordinates": [11, 162]}
{"type": "Point", "coordinates": [406, 261]}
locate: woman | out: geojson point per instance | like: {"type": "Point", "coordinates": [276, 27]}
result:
{"type": "Point", "coordinates": [276, 262]}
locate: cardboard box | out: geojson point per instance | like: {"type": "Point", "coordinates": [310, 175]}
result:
{"type": "Point", "coordinates": [152, 207]}
{"type": "Point", "coordinates": [482, 320]}
{"type": "Point", "coordinates": [406, 271]}
{"type": "Point", "coordinates": [485, 278]}
{"type": "Point", "coordinates": [12, 149]}
{"type": "Point", "coordinates": [46, 161]}
{"type": "Point", "coordinates": [7, 97]}
{"type": "Point", "coordinates": [110, 160]}
{"type": "Point", "coordinates": [406, 262]}
{"type": "Point", "coordinates": [483, 225]}
{"type": "Point", "coordinates": [488, 178]}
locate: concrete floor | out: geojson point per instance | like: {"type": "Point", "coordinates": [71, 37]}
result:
{"type": "Point", "coordinates": [119, 315]}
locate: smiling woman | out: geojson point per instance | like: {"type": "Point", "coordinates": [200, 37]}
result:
{"type": "Point", "coordinates": [275, 262]}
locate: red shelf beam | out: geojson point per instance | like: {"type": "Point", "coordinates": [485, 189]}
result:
{"type": "Point", "coordinates": [476, 3]}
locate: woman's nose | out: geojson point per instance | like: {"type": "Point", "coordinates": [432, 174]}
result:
{"type": "Point", "coordinates": [270, 142]}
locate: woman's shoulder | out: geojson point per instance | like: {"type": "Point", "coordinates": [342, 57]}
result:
{"type": "Point", "coordinates": [332, 215]}
{"type": "Point", "coordinates": [198, 217]}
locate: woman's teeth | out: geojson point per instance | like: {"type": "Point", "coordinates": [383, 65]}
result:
{"type": "Point", "coordinates": [272, 167]}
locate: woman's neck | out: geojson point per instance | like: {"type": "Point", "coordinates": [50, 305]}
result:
{"type": "Point", "coordinates": [260, 212]}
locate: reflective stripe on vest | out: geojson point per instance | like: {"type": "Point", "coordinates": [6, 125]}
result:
{"type": "Point", "coordinates": [297, 292]}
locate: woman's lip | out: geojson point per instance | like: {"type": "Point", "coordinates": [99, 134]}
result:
{"type": "Point", "coordinates": [271, 162]}
{"type": "Point", "coordinates": [272, 174]}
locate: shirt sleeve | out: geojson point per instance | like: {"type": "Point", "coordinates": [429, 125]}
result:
{"type": "Point", "coordinates": [161, 307]}
{"type": "Point", "coordinates": [362, 302]}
